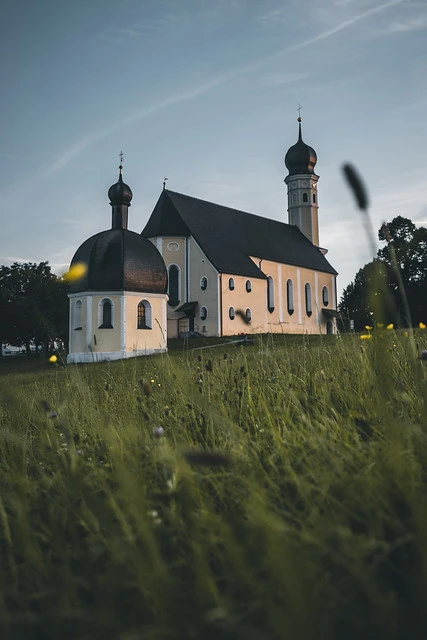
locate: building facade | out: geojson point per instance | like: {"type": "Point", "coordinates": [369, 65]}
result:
{"type": "Point", "coordinates": [232, 272]}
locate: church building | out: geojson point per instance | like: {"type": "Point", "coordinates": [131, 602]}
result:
{"type": "Point", "coordinates": [232, 272]}
{"type": "Point", "coordinates": [202, 268]}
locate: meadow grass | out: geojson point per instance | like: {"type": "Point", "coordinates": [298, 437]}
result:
{"type": "Point", "coordinates": [285, 497]}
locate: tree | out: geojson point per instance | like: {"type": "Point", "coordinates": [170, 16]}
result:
{"type": "Point", "coordinates": [376, 294]}
{"type": "Point", "coordinates": [33, 305]}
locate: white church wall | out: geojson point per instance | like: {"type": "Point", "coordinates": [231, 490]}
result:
{"type": "Point", "coordinates": [201, 267]}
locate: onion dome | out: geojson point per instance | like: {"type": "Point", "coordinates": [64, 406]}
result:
{"type": "Point", "coordinates": [300, 158]}
{"type": "Point", "coordinates": [120, 193]}
{"type": "Point", "coordinates": [120, 260]}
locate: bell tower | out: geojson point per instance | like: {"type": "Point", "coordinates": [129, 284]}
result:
{"type": "Point", "coordinates": [301, 181]}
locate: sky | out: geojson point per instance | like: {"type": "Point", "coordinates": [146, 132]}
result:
{"type": "Point", "coordinates": [205, 92]}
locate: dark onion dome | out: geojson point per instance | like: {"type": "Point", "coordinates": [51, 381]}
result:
{"type": "Point", "coordinates": [300, 159]}
{"type": "Point", "coordinates": [120, 260]}
{"type": "Point", "coordinates": [120, 193]}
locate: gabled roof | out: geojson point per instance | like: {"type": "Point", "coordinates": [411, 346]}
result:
{"type": "Point", "coordinates": [229, 236]}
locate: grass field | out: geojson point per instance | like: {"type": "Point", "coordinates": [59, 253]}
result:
{"type": "Point", "coordinates": [273, 491]}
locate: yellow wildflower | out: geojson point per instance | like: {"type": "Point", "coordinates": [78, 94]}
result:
{"type": "Point", "coordinates": [368, 328]}
{"type": "Point", "coordinates": [366, 336]}
{"type": "Point", "coordinates": [422, 325]}
{"type": "Point", "coordinates": [380, 325]}
{"type": "Point", "coordinates": [390, 326]}
{"type": "Point", "coordinates": [53, 358]}
{"type": "Point", "coordinates": [152, 380]}
{"type": "Point", "coordinates": [406, 334]}
{"type": "Point", "coordinates": [76, 272]}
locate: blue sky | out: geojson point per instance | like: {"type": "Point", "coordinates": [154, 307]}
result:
{"type": "Point", "coordinates": [206, 92]}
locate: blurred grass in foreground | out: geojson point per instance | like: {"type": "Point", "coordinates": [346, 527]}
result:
{"type": "Point", "coordinates": [284, 497]}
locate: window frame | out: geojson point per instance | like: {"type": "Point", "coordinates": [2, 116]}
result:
{"type": "Point", "coordinates": [325, 298]}
{"type": "Point", "coordinates": [203, 314]}
{"type": "Point", "coordinates": [147, 315]}
{"type": "Point", "coordinates": [290, 297]}
{"type": "Point", "coordinates": [270, 294]}
{"type": "Point", "coordinates": [78, 315]}
{"type": "Point", "coordinates": [248, 286]}
{"type": "Point", "coordinates": [171, 302]}
{"type": "Point", "coordinates": [308, 300]}
{"type": "Point", "coordinates": [231, 284]}
{"type": "Point", "coordinates": [202, 279]}
{"type": "Point", "coordinates": [102, 314]}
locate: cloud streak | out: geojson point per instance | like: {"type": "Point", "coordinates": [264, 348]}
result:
{"type": "Point", "coordinates": [66, 156]}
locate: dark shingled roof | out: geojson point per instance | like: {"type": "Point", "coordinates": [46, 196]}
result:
{"type": "Point", "coordinates": [228, 236]}
{"type": "Point", "coordinates": [120, 260]}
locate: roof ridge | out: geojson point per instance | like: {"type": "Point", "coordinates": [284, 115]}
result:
{"type": "Point", "coordinates": [224, 206]}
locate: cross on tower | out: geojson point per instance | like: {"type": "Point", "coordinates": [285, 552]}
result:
{"type": "Point", "coordinates": [299, 110]}
{"type": "Point", "coordinates": [121, 156]}
{"type": "Point", "coordinates": [164, 183]}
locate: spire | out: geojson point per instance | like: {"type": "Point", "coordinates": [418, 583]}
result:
{"type": "Point", "coordinates": [120, 195]}
{"type": "Point", "coordinates": [299, 129]}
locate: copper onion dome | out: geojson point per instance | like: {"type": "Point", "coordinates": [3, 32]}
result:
{"type": "Point", "coordinates": [120, 193]}
{"type": "Point", "coordinates": [300, 158]}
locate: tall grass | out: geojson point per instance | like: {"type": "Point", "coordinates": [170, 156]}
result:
{"type": "Point", "coordinates": [285, 498]}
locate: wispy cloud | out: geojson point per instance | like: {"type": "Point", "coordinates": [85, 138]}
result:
{"type": "Point", "coordinates": [79, 146]}
{"type": "Point", "coordinates": [65, 157]}
{"type": "Point", "coordinates": [345, 25]}
{"type": "Point", "coordinates": [277, 79]}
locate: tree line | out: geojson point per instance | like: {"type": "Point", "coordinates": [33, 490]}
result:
{"type": "Point", "coordinates": [33, 306]}
{"type": "Point", "coordinates": [393, 287]}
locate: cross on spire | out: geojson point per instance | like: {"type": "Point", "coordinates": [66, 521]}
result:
{"type": "Point", "coordinates": [164, 182]}
{"type": "Point", "coordinates": [121, 156]}
{"type": "Point", "coordinates": [299, 110]}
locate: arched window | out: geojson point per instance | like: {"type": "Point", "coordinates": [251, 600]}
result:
{"type": "Point", "coordinates": [325, 296]}
{"type": "Point", "coordinates": [144, 315]}
{"type": "Point", "coordinates": [105, 314]}
{"type": "Point", "coordinates": [270, 294]}
{"type": "Point", "coordinates": [203, 313]}
{"type": "Point", "coordinates": [314, 198]}
{"type": "Point", "coordinates": [203, 283]}
{"type": "Point", "coordinates": [231, 313]}
{"type": "Point", "coordinates": [305, 197]}
{"type": "Point", "coordinates": [294, 198]}
{"type": "Point", "coordinates": [231, 284]}
{"type": "Point", "coordinates": [173, 289]}
{"type": "Point", "coordinates": [78, 313]}
{"type": "Point", "coordinates": [290, 297]}
{"type": "Point", "coordinates": [248, 314]}
{"type": "Point", "coordinates": [308, 305]}
{"type": "Point", "coordinates": [248, 286]}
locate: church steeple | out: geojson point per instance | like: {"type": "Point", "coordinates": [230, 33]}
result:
{"type": "Point", "coordinates": [120, 195]}
{"type": "Point", "coordinates": [301, 181]}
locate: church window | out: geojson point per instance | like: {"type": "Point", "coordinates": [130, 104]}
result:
{"type": "Point", "coordinates": [308, 305]}
{"type": "Point", "coordinates": [325, 296]}
{"type": "Point", "coordinates": [290, 296]}
{"type": "Point", "coordinates": [231, 313]}
{"type": "Point", "coordinates": [203, 313]}
{"type": "Point", "coordinates": [270, 294]}
{"type": "Point", "coordinates": [204, 283]}
{"type": "Point", "coordinates": [294, 198]}
{"type": "Point", "coordinates": [105, 314]}
{"type": "Point", "coordinates": [305, 197]}
{"type": "Point", "coordinates": [231, 284]}
{"type": "Point", "coordinates": [144, 315]}
{"type": "Point", "coordinates": [248, 286]}
{"type": "Point", "coordinates": [173, 288]}
{"type": "Point", "coordinates": [248, 314]}
{"type": "Point", "coordinates": [78, 315]}
{"type": "Point", "coordinates": [314, 198]}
